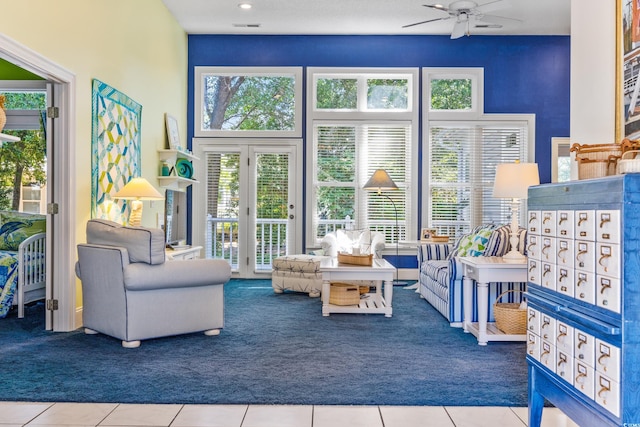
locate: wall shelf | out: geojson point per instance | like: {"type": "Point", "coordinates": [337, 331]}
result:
{"type": "Point", "coordinates": [172, 155]}
{"type": "Point", "coordinates": [176, 183]}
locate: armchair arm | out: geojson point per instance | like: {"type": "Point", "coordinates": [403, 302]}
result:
{"type": "Point", "coordinates": [176, 274]}
{"type": "Point", "coordinates": [329, 245]}
{"type": "Point", "coordinates": [433, 251]}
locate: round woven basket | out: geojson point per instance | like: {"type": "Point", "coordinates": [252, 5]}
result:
{"type": "Point", "coordinates": [510, 318]}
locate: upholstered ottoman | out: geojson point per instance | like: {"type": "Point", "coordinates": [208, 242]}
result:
{"type": "Point", "coordinates": [299, 273]}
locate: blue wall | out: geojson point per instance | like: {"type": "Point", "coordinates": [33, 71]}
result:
{"type": "Point", "coordinates": [522, 74]}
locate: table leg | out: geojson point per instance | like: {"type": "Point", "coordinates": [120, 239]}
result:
{"type": "Point", "coordinates": [388, 297]}
{"type": "Point", "coordinates": [467, 301]}
{"type": "Point", "coordinates": [326, 288]}
{"type": "Point", "coordinates": [483, 314]}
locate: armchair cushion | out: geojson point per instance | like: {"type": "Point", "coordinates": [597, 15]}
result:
{"type": "Point", "coordinates": [143, 244]}
{"type": "Point", "coordinates": [177, 274]}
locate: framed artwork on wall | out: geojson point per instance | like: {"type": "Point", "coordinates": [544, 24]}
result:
{"type": "Point", "coordinates": [173, 135]}
{"type": "Point", "coordinates": [627, 69]}
{"type": "Point", "coordinates": [115, 146]}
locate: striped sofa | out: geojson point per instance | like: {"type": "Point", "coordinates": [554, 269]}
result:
{"type": "Point", "coordinates": [440, 281]}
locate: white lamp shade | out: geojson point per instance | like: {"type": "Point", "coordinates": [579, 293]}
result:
{"type": "Point", "coordinates": [138, 189]}
{"type": "Point", "coordinates": [514, 179]}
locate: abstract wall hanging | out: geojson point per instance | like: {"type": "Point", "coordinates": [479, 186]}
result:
{"type": "Point", "coordinates": [115, 149]}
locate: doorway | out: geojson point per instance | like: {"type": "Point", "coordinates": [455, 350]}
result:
{"type": "Point", "coordinates": [61, 182]}
{"type": "Point", "coordinates": [247, 206]}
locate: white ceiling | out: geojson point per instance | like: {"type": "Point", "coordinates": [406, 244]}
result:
{"type": "Point", "coordinates": [539, 17]}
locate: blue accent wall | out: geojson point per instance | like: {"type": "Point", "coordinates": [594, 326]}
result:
{"type": "Point", "coordinates": [522, 74]}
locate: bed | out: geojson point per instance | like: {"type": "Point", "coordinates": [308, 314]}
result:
{"type": "Point", "coordinates": [22, 260]}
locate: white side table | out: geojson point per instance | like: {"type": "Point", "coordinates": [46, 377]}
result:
{"type": "Point", "coordinates": [483, 270]}
{"type": "Point", "coordinates": [192, 252]}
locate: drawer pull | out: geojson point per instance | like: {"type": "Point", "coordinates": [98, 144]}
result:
{"type": "Point", "coordinates": [581, 377]}
{"type": "Point", "coordinates": [581, 280]}
{"type": "Point", "coordinates": [604, 286]}
{"type": "Point", "coordinates": [605, 219]}
{"type": "Point", "coordinates": [601, 261]}
{"type": "Point", "coordinates": [563, 275]}
{"type": "Point", "coordinates": [563, 218]}
{"type": "Point", "coordinates": [602, 360]}
{"type": "Point", "coordinates": [583, 340]}
{"type": "Point", "coordinates": [545, 249]}
{"type": "Point", "coordinates": [546, 219]}
{"type": "Point", "coordinates": [532, 218]}
{"type": "Point", "coordinates": [530, 247]}
{"type": "Point", "coordinates": [582, 219]}
{"type": "Point", "coordinates": [560, 252]}
{"type": "Point", "coordinates": [531, 268]}
{"type": "Point", "coordinates": [546, 271]}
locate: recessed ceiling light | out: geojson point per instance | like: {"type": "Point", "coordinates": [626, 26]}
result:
{"type": "Point", "coordinates": [245, 6]}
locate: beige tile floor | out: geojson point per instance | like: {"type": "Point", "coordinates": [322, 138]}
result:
{"type": "Point", "coordinates": [115, 414]}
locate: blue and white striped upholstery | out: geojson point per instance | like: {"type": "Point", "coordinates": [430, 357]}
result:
{"type": "Point", "coordinates": [441, 277]}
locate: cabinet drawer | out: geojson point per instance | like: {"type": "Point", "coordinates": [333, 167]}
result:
{"type": "Point", "coordinates": [585, 289]}
{"type": "Point", "coordinates": [547, 327]}
{"type": "Point", "coordinates": [564, 336]}
{"type": "Point", "coordinates": [585, 225]}
{"type": "Point", "coordinates": [585, 256]}
{"type": "Point", "coordinates": [607, 358]}
{"type": "Point", "coordinates": [533, 346]}
{"type": "Point", "coordinates": [548, 355]}
{"type": "Point", "coordinates": [533, 247]}
{"type": "Point", "coordinates": [584, 349]}
{"type": "Point", "coordinates": [533, 320]}
{"type": "Point", "coordinates": [608, 227]}
{"type": "Point", "coordinates": [608, 393]}
{"type": "Point", "coordinates": [533, 272]}
{"type": "Point", "coordinates": [608, 256]}
{"type": "Point", "coordinates": [565, 224]}
{"type": "Point", "coordinates": [548, 276]}
{"type": "Point", "coordinates": [564, 366]}
{"type": "Point", "coordinates": [584, 378]}
{"type": "Point", "coordinates": [533, 223]}
{"type": "Point", "coordinates": [566, 284]}
{"type": "Point", "coordinates": [564, 252]}
{"type": "Point", "coordinates": [608, 293]}
{"type": "Point", "coordinates": [548, 249]}
{"type": "Point", "coordinates": [549, 223]}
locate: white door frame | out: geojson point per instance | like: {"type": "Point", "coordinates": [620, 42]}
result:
{"type": "Point", "coordinates": [202, 145]}
{"type": "Point", "coordinates": [61, 234]}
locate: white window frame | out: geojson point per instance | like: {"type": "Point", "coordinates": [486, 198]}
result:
{"type": "Point", "coordinates": [476, 75]}
{"type": "Point", "coordinates": [198, 99]}
{"type": "Point", "coordinates": [350, 117]}
{"type": "Point", "coordinates": [476, 113]}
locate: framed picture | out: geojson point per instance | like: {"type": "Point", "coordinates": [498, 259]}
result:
{"type": "Point", "coordinates": [428, 233]}
{"type": "Point", "coordinates": [627, 69]}
{"type": "Point", "coordinates": [173, 136]}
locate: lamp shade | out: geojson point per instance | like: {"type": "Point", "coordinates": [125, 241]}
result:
{"type": "Point", "coordinates": [514, 179]}
{"type": "Point", "coordinates": [379, 181]}
{"type": "Point", "coordinates": [138, 189]}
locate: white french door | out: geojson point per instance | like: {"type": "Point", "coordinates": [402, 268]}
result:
{"type": "Point", "coordinates": [247, 205]}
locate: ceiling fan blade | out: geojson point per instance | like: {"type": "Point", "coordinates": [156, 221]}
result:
{"type": "Point", "coordinates": [493, 19]}
{"type": "Point", "coordinates": [424, 22]}
{"type": "Point", "coordinates": [491, 6]}
{"type": "Point", "coordinates": [439, 7]}
{"type": "Point", "coordinates": [459, 29]}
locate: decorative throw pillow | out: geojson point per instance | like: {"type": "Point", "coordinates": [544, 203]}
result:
{"type": "Point", "coordinates": [479, 242]}
{"type": "Point", "coordinates": [17, 226]}
{"type": "Point", "coordinates": [348, 239]}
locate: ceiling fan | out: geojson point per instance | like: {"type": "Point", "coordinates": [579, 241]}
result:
{"type": "Point", "coordinates": [465, 13]}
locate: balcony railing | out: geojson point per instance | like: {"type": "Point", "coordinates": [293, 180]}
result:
{"type": "Point", "coordinates": [221, 238]}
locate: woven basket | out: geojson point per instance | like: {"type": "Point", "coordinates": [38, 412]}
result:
{"type": "Point", "coordinates": [345, 258]}
{"type": "Point", "coordinates": [344, 294]}
{"type": "Point", "coordinates": [629, 162]}
{"type": "Point", "coordinates": [510, 318]}
{"type": "Point", "coordinates": [598, 160]}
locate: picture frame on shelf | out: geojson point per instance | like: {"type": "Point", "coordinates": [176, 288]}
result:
{"type": "Point", "coordinates": [173, 134]}
{"type": "Point", "coordinates": [428, 233]}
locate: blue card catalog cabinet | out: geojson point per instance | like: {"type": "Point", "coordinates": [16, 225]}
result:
{"type": "Point", "coordinates": [583, 300]}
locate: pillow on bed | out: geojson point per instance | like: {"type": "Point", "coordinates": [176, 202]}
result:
{"type": "Point", "coordinates": [17, 226]}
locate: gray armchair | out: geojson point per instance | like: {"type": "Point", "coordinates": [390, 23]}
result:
{"type": "Point", "coordinates": [129, 292]}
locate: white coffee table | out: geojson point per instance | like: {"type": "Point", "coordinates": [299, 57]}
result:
{"type": "Point", "coordinates": [382, 275]}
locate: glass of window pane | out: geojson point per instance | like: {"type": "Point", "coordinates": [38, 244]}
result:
{"type": "Point", "coordinates": [451, 94]}
{"type": "Point", "coordinates": [337, 94]}
{"type": "Point", "coordinates": [387, 94]}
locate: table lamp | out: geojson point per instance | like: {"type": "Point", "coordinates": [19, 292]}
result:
{"type": "Point", "coordinates": [380, 180]}
{"type": "Point", "coordinates": [137, 190]}
{"type": "Point", "coordinates": [512, 182]}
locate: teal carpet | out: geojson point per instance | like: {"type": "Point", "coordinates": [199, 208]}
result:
{"type": "Point", "coordinates": [275, 349]}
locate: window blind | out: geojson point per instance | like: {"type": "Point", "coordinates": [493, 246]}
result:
{"type": "Point", "coordinates": [463, 157]}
